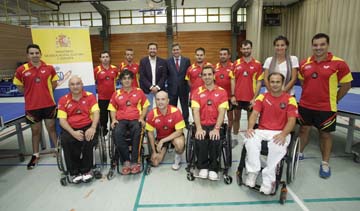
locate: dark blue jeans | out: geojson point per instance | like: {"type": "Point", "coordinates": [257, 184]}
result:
{"type": "Point", "coordinates": [128, 129]}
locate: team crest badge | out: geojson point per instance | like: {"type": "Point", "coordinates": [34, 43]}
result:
{"type": "Point", "coordinates": [282, 105]}
{"type": "Point", "coordinates": [314, 75]}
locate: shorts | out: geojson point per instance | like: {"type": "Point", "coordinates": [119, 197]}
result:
{"type": "Point", "coordinates": [231, 106]}
{"type": "Point", "coordinates": [34, 116]}
{"type": "Point", "coordinates": [322, 120]}
{"type": "Point", "coordinates": [245, 105]}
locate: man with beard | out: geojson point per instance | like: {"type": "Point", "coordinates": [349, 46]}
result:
{"type": "Point", "coordinates": [248, 76]}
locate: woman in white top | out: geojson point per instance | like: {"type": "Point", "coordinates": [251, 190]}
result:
{"type": "Point", "coordinates": [284, 63]}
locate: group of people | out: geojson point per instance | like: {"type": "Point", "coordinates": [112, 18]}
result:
{"type": "Point", "coordinates": [213, 90]}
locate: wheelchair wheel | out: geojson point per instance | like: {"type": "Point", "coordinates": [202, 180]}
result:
{"type": "Point", "coordinates": [190, 144]}
{"type": "Point", "coordinates": [63, 181]}
{"type": "Point", "coordinates": [240, 170]}
{"type": "Point", "coordinates": [190, 176]}
{"type": "Point", "coordinates": [229, 148]}
{"type": "Point", "coordinates": [227, 179]}
{"type": "Point", "coordinates": [59, 156]}
{"type": "Point", "coordinates": [111, 144]}
{"type": "Point", "coordinates": [102, 149]}
{"type": "Point", "coordinates": [293, 160]}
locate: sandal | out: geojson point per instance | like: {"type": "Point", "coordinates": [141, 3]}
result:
{"type": "Point", "coordinates": [126, 168]}
{"type": "Point", "coordinates": [135, 168]}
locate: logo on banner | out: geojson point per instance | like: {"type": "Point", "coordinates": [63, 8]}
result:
{"type": "Point", "coordinates": [63, 41]}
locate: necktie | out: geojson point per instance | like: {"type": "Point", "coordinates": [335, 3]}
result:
{"type": "Point", "coordinates": [177, 65]}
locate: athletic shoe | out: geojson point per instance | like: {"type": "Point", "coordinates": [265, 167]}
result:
{"type": "Point", "coordinates": [77, 179]}
{"type": "Point", "coordinates": [203, 173]}
{"type": "Point", "coordinates": [33, 162]}
{"type": "Point", "coordinates": [177, 162]}
{"type": "Point", "coordinates": [87, 177]}
{"type": "Point", "coordinates": [325, 171]}
{"type": "Point", "coordinates": [213, 175]}
{"type": "Point", "coordinates": [251, 179]}
{"type": "Point", "coordinates": [135, 168]}
{"type": "Point", "coordinates": [267, 190]}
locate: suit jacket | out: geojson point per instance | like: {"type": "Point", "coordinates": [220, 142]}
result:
{"type": "Point", "coordinates": [176, 79]}
{"type": "Point", "coordinates": [146, 76]}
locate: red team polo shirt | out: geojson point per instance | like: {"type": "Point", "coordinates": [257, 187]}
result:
{"type": "Point", "coordinates": [78, 113]}
{"type": "Point", "coordinates": [321, 79]}
{"type": "Point", "coordinates": [134, 68]}
{"type": "Point", "coordinates": [246, 76]}
{"type": "Point", "coordinates": [275, 111]}
{"type": "Point", "coordinates": [164, 124]}
{"type": "Point", "coordinates": [128, 105]}
{"type": "Point", "coordinates": [37, 83]}
{"type": "Point", "coordinates": [106, 81]}
{"type": "Point", "coordinates": [193, 74]}
{"type": "Point", "coordinates": [209, 102]}
{"type": "Point", "coordinates": [223, 76]}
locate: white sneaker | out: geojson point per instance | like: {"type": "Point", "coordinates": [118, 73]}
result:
{"type": "Point", "coordinates": [251, 179]}
{"type": "Point", "coordinates": [203, 173]}
{"type": "Point", "coordinates": [87, 177]}
{"type": "Point", "coordinates": [177, 162]}
{"type": "Point", "coordinates": [265, 189]}
{"type": "Point", "coordinates": [76, 179]}
{"type": "Point", "coordinates": [213, 175]}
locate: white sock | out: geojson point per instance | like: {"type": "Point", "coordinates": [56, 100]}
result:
{"type": "Point", "coordinates": [37, 154]}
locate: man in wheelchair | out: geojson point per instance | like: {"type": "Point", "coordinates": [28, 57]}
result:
{"type": "Point", "coordinates": [278, 113]}
{"type": "Point", "coordinates": [168, 122]}
{"type": "Point", "coordinates": [78, 113]}
{"type": "Point", "coordinates": [127, 107]}
{"type": "Point", "coordinates": [209, 104]}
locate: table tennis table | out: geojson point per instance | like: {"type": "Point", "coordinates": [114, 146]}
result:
{"type": "Point", "coordinates": [13, 115]}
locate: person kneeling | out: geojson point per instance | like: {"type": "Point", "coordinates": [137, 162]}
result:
{"type": "Point", "coordinates": [278, 113]}
{"type": "Point", "coordinates": [78, 113]}
{"type": "Point", "coordinates": [168, 122]}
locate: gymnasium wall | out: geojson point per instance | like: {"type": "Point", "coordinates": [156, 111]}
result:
{"type": "Point", "coordinates": [14, 40]}
{"type": "Point", "coordinates": [212, 41]}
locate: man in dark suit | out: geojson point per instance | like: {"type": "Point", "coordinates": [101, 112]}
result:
{"type": "Point", "coordinates": [153, 73]}
{"type": "Point", "coordinates": [177, 85]}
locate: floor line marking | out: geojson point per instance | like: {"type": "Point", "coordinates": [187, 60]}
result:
{"type": "Point", "coordinates": [297, 199]}
{"type": "Point", "coordinates": [209, 204]}
{"type": "Point", "coordinates": [138, 195]}
{"type": "Point", "coordinates": [213, 204]}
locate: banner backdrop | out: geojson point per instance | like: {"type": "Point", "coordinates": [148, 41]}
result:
{"type": "Point", "coordinates": [68, 49]}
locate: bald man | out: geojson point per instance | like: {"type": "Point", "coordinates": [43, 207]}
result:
{"type": "Point", "coordinates": [168, 122]}
{"type": "Point", "coordinates": [79, 114]}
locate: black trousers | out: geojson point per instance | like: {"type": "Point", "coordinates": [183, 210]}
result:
{"type": "Point", "coordinates": [132, 127]}
{"type": "Point", "coordinates": [104, 114]}
{"type": "Point", "coordinates": [78, 154]}
{"type": "Point", "coordinates": [184, 101]}
{"type": "Point", "coordinates": [208, 152]}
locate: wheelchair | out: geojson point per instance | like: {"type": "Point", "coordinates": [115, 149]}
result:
{"type": "Point", "coordinates": [100, 157]}
{"type": "Point", "coordinates": [225, 158]}
{"type": "Point", "coordinates": [114, 152]}
{"type": "Point", "coordinates": [291, 159]}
